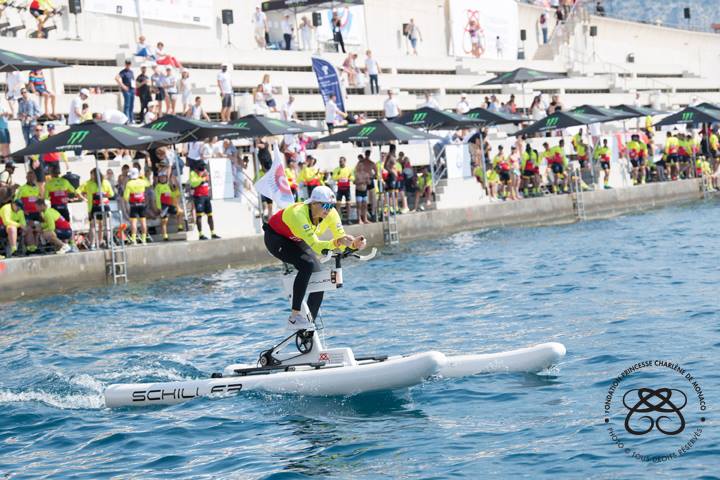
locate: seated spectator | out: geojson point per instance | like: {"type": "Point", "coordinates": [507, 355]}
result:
{"type": "Point", "coordinates": [163, 58]}
{"type": "Point", "coordinates": [42, 10]}
{"type": "Point", "coordinates": [6, 179]}
{"type": "Point", "coordinates": [196, 111]}
{"type": "Point", "coordinates": [37, 85]}
{"type": "Point", "coordinates": [349, 69]}
{"type": "Point", "coordinates": [56, 230]}
{"type": "Point", "coordinates": [12, 223]}
{"type": "Point", "coordinates": [143, 49]}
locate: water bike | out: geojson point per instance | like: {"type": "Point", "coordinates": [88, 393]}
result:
{"type": "Point", "coordinates": [302, 364]}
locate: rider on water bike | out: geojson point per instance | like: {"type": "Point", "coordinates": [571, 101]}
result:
{"type": "Point", "coordinates": [292, 235]}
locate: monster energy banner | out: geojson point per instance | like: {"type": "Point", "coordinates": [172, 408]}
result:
{"type": "Point", "coordinates": [328, 81]}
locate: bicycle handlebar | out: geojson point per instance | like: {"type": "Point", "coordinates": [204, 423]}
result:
{"type": "Point", "coordinates": [349, 252]}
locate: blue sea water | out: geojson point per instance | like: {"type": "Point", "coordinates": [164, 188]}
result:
{"type": "Point", "coordinates": [615, 292]}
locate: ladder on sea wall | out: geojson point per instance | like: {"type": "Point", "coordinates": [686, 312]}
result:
{"type": "Point", "coordinates": [117, 264]}
{"type": "Point", "coordinates": [389, 219]}
{"type": "Point", "coordinates": [578, 196]}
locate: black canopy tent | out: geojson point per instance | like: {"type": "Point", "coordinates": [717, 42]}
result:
{"type": "Point", "coordinates": [558, 121]}
{"type": "Point", "coordinates": [638, 111]}
{"type": "Point", "coordinates": [434, 119]}
{"type": "Point", "coordinates": [690, 116]}
{"type": "Point", "coordinates": [378, 132]}
{"type": "Point", "coordinates": [11, 61]}
{"type": "Point", "coordinates": [611, 113]}
{"type": "Point", "coordinates": [189, 129]}
{"type": "Point", "coordinates": [487, 117]}
{"type": "Point", "coordinates": [522, 76]}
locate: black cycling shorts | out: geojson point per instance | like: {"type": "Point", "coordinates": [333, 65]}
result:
{"type": "Point", "coordinates": [137, 210]}
{"type": "Point", "coordinates": [168, 210]}
{"type": "Point", "coordinates": [202, 205]}
{"type": "Point", "coordinates": [343, 193]}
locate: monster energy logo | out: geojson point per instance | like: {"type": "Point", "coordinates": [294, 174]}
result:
{"type": "Point", "coordinates": [241, 125]}
{"type": "Point", "coordinates": [473, 114]}
{"type": "Point", "coordinates": [687, 116]}
{"type": "Point", "coordinates": [276, 122]}
{"type": "Point", "coordinates": [159, 125]}
{"type": "Point", "coordinates": [366, 131]}
{"type": "Point", "coordinates": [419, 117]}
{"type": "Point", "coordinates": [551, 122]}
{"type": "Point", "coordinates": [124, 130]}
{"type": "Point", "coordinates": [77, 137]}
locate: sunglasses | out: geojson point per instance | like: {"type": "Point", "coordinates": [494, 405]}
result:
{"type": "Point", "coordinates": [327, 206]}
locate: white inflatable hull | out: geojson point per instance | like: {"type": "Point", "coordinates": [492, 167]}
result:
{"type": "Point", "coordinates": [390, 374]}
{"type": "Point", "coordinates": [531, 360]}
{"type": "Point", "coordinates": [395, 372]}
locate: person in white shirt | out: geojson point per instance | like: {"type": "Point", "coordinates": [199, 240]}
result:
{"type": "Point", "coordinates": [499, 46]}
{"type": "Point", "coordinates": [224, 83]}
{"type": "Point", "coordinates": [306, 29]}
{"type": "Point", "coordinates": [430, 102]}
{"type": "Point", "coordinates": [150, 114]}
{"type": "Point", "coordinates": [171, 90]}
{"type": "Point", "coordinates": [287, 30]}
{"type": "Point", "coordinates": [15, 84]}
{"type": "Point", "coordinates": [392, 109]}
{"type": "Point", "coordinates": [288, 110]}
{"type": "Point", "coordinates": [75, 111]}
{"type": "Point", "coordinates": [373, 70]}
{"type": "Point", "coordinates": [463, 106]}
{"type": "Point", "coordinates": [267, 90]}
{"type": "Point", "coordinates": [196, 111]}
{"type": "Point", "coordinates": [332, 113]}
{"type": "Point", "coordinates": [185, 89]}
{"type": "Point", "coordinates": [261, 27]}
{"type": "Point", "coordinates": [114, 116]}
{"type": "Point", "coordinates": [194, 153]}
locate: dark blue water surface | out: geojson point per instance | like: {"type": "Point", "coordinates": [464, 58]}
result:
{"type": "Point", "coordinates": [614, 292]}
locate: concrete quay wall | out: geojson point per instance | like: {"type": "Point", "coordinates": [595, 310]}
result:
{"type": "Point", "coordinates": [37, 276]}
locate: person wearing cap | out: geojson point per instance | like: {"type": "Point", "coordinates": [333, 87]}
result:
{"type": "Point", "coordinates": [59, 190]}
{"type": "Point", "coordinates": [134, 196]}
{"type": "Point", "coordinates": [56, 230]}
{"type": "Point", "coordinates": [602, 154]}
{"type": "Point", "coordinates": [75, 112]}
{"type": "Point", "coordinates": [6, 175]}
{"type": "Point", "coordinates": [166, 201]}
{"type": "Point", "coordinates": [292, 236]}
{"type": "Point", "coordinates": [12, 220]}
{"type": "Point", "coordinates": [96, 208]}
{"type": "Point", "coordinates": [463, 106]}
{"type": "Point", "coordinates": [200, 184]}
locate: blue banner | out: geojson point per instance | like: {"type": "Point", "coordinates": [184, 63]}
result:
{"type": "Point", "coordinates": [328, 81]}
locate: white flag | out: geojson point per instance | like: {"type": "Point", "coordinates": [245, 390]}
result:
{"type": "Point", "coordinates": [274, 184]}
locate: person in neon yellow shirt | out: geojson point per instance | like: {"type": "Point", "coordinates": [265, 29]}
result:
{"type": "Point", "coordinates": [134, 196]}
{"type": "Point", "coordinates": [166, 202]}
{"type": "Point", "coordinates": [12, 220]}
{"type": "Point", "coordinates": [293, 236]}
{"type": "Point", "coordinates": [602, 153]}
{"type": "Point", "coordinates": [343, 177]}
{"type": "Point", "coordinates": [200, 184]}
{"type": "Point", "coordinates": [55, 228]}
{"type": "Point", "coordinates": [59, 190]}
{"type": "Point", "coordinates": [97, 209]}
{"type": "Point", "coordinates": [310, 175]}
